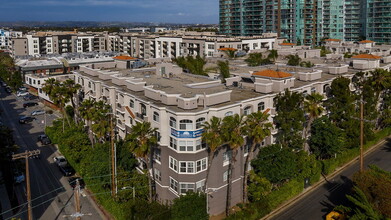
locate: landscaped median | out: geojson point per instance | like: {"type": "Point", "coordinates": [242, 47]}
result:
{"type": "Point", "coordinates": [291, 190]}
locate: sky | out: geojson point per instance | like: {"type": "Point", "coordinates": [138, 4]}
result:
{"type": "Point", "coordinates": [170, 11]}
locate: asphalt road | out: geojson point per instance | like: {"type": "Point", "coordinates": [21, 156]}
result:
{"type": "Point", "coordinates": [322, 200]}
{"type": "Point", "coordinates": [51, 195]}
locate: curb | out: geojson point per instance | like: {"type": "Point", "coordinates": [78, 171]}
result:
{"type": "Point", "coordinates": [323, 180]}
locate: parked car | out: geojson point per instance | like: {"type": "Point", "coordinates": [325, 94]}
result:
{"type": "Point", "coordinates": [44, 139]}
{"type": "Point", "coordinates": [18, 177]}
{"type": "Point", "coordinates": [29, 104]}
{"type": "Point", "coordinates": [60, 160]}
{"type": "Point", "coordinates": [8, 90]}
{"type": "Point", "coordinates": [29, 97]}
{"type": "Point", "coordinates": [67, 170]}
{"type": "Point", "coordinates": [72, 182]}
{"type": "Point", "coordinates": [26, 119]}
{"type": "Point", "coordinates": [38, 112]}
{"type": "Point", "coordinates": [22, 88]}
{"type": "Point", "coordinates": [22, 93]}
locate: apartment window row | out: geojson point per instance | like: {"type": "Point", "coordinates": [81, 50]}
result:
{"type": "Point", "coordinates": [188, 167]}
{"type": "Point", "coordinates": [186, 124]}
{"type": "Point", "coordinates": [187, 145]}
{"type": "Point", "coordinates": [183, 187]}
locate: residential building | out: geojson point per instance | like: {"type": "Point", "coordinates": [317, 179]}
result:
{"type": "Point", "coordinates": [6, 36]}
{"type": "Point", "coordinates": [377, 20]}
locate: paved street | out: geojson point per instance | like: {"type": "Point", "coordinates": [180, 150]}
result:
{"type": "Point", "coordinates": [51, 194]}
{"type": "Point", "coordinates": [318, 203]}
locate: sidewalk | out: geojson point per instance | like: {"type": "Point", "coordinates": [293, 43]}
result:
{"type": "Point", "coordinates": [5, 203]}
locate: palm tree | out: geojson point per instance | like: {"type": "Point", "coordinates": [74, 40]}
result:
{"type": "Point", "coordinates": [232, 132]}
{"type": "Point", "coordinates": [87, 112]}
{"type": "Point", "coordinates": [380, 80]}
{"type": "Point", "coordinates": [141, 142]}
{"type": "Point", "coordinates": [313, 108]}
{"type": "Point", "coordinates": [223, 67]}
{"type": "Point", "coordinates": [72, 89]}
{"type": "Point", "coordinates": [101, 124]}
{"type": "Point", "coordinates": [213, 139]}
{"type": "Point", "coordinates": [257, 128]}
{"type": "Point", "coordinates": [49, 86]}
{"type": "Point", "coordinates": [273, 54]}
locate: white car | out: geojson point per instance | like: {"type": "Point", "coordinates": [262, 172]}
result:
{"type": "Point", "coordinates": [38, 112]}
{"type": "Point", "coordinates": [60, 160]}
{"type": "Point", "coordinates": [22, 93]}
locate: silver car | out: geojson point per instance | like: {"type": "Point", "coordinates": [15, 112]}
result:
{"type": "Point", "coordinates": [38, 112]}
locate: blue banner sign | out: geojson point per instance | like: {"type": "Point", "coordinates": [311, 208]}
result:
{"type": "Point", "coordinates": [186, 134]}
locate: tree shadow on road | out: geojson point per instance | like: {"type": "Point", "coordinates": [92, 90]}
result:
{"type": "Point", "coordinates": [387, 146]}
{"type": "Point", "coordinates": [337, 189]}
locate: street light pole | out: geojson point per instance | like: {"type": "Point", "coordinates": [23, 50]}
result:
{"type": "Point", "coordinates": [362, 134]}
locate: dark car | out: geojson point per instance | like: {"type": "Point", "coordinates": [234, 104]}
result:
{"type": "Point", "coordinates": [67, 170]}
{"type": "Point", "coordinates": [8, 90]}
{"type": "Point", "coordinates": [29, 97]}
{"type": "Point", "coordinates": [72, 182]}
{"type": "Point", "coordinates": [26, 119]}
{"type": "Point", "coordinates": [44, 139]}
{"type": "Point", "coordinates": [29, 104]}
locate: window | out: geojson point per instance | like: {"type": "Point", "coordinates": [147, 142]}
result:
{"type": "Point", "coordinates": [157, 155]}
{"type": "Point", "coordinates": [157, 135]}
{"type": "Point", "coordinates": [187, 187]}
{"type": "Point", "coordinates": [172, 122]}
{"type": "Point", "coordinates": [131, 103]}
{"type": "Point", "coordinates": [158, 175]}
{"type": "Point", "coordinates": [156, 116]}
{"type": "Point", "coordinates": [173, 164]}
{"type": "Point", "coordinates": [229, 113]}
{"type": "Point", "coordinates": [39, 82]}
{"type": "Point", "coordinates": [186, 145]}
{"type": "Point", "coordinates": [255, 45]}
{"type": "Point", "coordinates": [247, 110]}
{"type": "Point", "coordinates": [174, 184]}
{"type": "Point", "coordinates": [186, 167]}
{"type": "Point", "coordinates": [200, 145]}
{"type": "Point", "coordinates": [173, 143]}
{"type": "Point", "coordinates": [199, 122]}
{"type": "Point", "coordinates": [261, 106]}
{"type": "Point", "coordinates": [186, 124]}
{"type": "Point", "coordinates": [201, 165]}
{"type": "Point", "coordinates": [200, 186]}
{"type": "Point", "coordinates": [89, 86]}
{"type": "Point", "coordinates": [211, 46]}
{"type": "Point", "coordinates": [226, 157]}
{"type": "Point", "coordinates": [313, 90]}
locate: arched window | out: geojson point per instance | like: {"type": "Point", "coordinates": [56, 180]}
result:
{"type": "Point", "coordinates": [247, 110]}
{"type": "Point", "coordinates": [229, 113]}
{"type": "Point", "coordinates": [199, 122]}
{"type": "Point", "coordinates": [305, 93]}
{"type": "Point", "coordinates": [186, 124]}
{"type": "Point", "coordinates": [156, 116]}
{"type": "Point", "coordinates": [261, 106]}
{"type": "Point", "coordinates": [172, 122]}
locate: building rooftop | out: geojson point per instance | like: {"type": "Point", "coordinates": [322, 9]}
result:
{"type": "Point", "coordinates": [366, 41]}
{"type": "Point", "coordinates": [334, 40]}
{"type": "Point", "coordinates": [366, 56]}
{"type": "Point", "coordinates": [272, 74]}
{"type": "Point", "coordinates": [124, 58]}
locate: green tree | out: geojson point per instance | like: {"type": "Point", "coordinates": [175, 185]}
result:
{"type": "Point", "coordinates": [141, 142]}
{"type": "Point", "coordinates": [231, 52]}
{"type": "Point", "coordinates": [257, 128]}
{"type": "Point", "coordinates": [313, 108]}
{"type": "Point", "coordinates": [290, 119]}
{"type": "Point", "coordinates": [341, 108]}
{"type": "Point", "coordinates": [72, 90]}
{"type": "Point", "coordinates": [326, 139]}
{"type": "Point", "coordinates": [276, 163]}
{"type": "Point", "coordinates": [193, 65]}
{"type": "Point", "coordinates": [232, 130]}
{"type": "Point", "coordinates": [324, 51]}
{"type": "Point", "coordinates": [224, 69]}
{"type": "Point", "coordinates": [259, 187]}
{"type": "Point", "coordinates": [86, 111]}
{"type": "Point", "coordinates": [101, 119]}
{"type": "Point", "coordinates": [254, 59]}
{"type": "Point", "coordinates": [293, 60]}
{"type": "Point", "coordinates": [212, 136]}
{"type": "Point", "coordinates": [273, 55]}
{"type": "Point", "coordinates": [191, 206]}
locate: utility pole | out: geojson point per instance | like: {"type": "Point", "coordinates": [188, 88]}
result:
{"type": "Point", "coordinates": [26, 155]}
{"type": "Point", "coordinates": [113, 183]}
{"type": "Point", "coordinates": [78, 213]}
{"type": "Point", "coordinates": [362, 135]}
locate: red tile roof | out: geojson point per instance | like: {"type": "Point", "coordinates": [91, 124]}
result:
{"type": "Point", "coordinates": [366, 41]}
{"type": "Point", "coordinates": [366, 56]}
{"type": "Point", "coordinates": [228, 48]}
{"type": "Point", "coordinates": [287, 44]}
{"type": "Point", "coordinates": [124, 58]}
{"type": "Point", "coordinates": [272, 74]}
{"type": "Point", "coordinates": [334, 40]}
